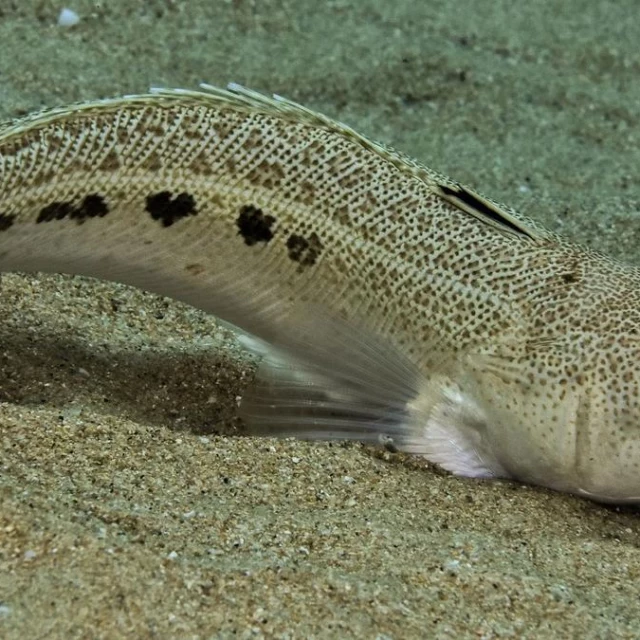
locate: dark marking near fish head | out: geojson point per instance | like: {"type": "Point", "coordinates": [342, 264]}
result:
{"type": "Point", "coordinates": [572, 273]}
{"type": "Point", "coordinates": [164, 207]}
{"type": "Point", "coordinates": [253, 225]}
{"type": "Point", "coordinates": [6, 221]}
{"type": "Point", "coordinates": [304, 251]}
{"type": "Point", "coordinates": [465, 199]}
{"type": "Point", "coordinates": [91, 206]}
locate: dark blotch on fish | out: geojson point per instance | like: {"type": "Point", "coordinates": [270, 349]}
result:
{"type": "Point", "coordinates": [91, 206]}
{"type": "Point", "coordinates": [164, 207]}
{"type": "Point", "coordinates": [303, 250]}
{"type": "Point", "coordinates": [55, 211]}
{"type": "Point", "coordinates": [253, 225]}
{"type": "Point", "coordinates": [6, 220]}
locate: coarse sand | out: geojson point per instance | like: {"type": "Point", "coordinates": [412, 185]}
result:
{"type": "Point", "coordinates": [132, 505]}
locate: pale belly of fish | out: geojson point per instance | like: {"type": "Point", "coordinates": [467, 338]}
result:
{"type": "Point", "coordinates": [392, 304]}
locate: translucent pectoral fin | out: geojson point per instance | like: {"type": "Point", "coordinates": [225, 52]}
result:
{"type": "Point", "coordinates": [326, 378]}
{"type": "Point", "coordinates": [331, 379]}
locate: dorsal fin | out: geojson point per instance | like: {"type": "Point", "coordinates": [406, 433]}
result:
{"type": "Point", "coordinates": [235, 96]}
{"type": "Point", "coordinates": [498, 216]}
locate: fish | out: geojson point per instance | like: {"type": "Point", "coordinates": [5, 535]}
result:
{"type": "Point", "coordinates": [389, 303]}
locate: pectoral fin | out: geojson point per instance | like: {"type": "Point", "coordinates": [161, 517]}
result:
{"type": "Point", "coordinates": [331, 379]}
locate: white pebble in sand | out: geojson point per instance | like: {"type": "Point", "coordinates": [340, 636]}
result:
{"type": "Point", "coordinates": [68, 18]}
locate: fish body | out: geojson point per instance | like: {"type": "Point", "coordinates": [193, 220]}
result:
{"type": "Point", "coordinates": [393, 304]}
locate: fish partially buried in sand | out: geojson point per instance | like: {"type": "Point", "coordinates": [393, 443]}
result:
{"type": "Point", "coordinates": [394, 304]}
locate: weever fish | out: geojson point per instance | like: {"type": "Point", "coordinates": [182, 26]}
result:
{"type": "Point", "coordinates": [393, 304]}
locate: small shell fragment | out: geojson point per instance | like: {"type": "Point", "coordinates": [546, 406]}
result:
{"type": "Point", "coordinates": [68, 18]}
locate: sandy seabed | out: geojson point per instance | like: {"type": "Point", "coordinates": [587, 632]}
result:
{"type": "Point", "coordinates": [131, 505]}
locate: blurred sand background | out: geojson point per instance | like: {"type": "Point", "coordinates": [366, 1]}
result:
{"type": "Point", "coordinates": [129, 504]}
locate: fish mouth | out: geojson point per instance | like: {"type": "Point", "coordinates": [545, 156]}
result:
{"type": "Point", "coordinates": [607, 498]}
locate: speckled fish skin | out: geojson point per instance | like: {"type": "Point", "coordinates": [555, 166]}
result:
{"type": "Point", "coordinates": [503, 349]}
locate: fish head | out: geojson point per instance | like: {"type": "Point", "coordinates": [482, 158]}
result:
{"type": "Point", "coordinates": [564, 418]}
